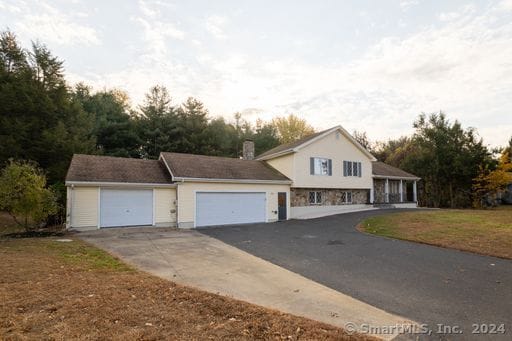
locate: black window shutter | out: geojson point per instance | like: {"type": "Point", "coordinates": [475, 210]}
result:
{"type": "Point", "coordinates": [312, 165]}
{"type": "Point", "coordinates": [330, 166]}
{"type": "Point", "coordinates": [360, 168]}
{"type": "Point", "coordinates": [344, 168]}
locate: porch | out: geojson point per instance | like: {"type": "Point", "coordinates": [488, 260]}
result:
{"type": "Point", "coordinates": [387, 190]}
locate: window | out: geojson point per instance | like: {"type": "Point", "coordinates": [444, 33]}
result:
{"type": "Point", "coordinates": [352, 168]}
{"type": "Point", "coordinates": [320, 166]}
{"type": "Point", "coordinates": [315, 198]}
{"type": "Point", "coordinates": [346, 197]}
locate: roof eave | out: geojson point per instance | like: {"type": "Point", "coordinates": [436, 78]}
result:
{"type": "Point", "coordinates": [316, 138]}
{"type": "Point", "coordinates": [118, 184]}
{"type": "Point", "coordinates": [161, 157]}
{"type": "Point", "coordinates": [395, 177]}
{"type": "Point", "coordinates": [278, 154]}
{"type": "Point", "coordinates": [244, 181]}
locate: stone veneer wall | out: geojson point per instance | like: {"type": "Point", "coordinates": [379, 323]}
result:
{"type": "Point", "coordinates": [300, 196]}
{"type": "Point", "coordinates": [380, 191]}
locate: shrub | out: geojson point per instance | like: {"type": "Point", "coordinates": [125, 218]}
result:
{"type": "Point", "coordinates": [24, 195]}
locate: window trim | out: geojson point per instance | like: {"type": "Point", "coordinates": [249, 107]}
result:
{"type": "Point", "coordinates": [352, 168]}
{"type": "Point", "coordinates": [344, 197]}
{"type": "Point", "coordinates": [313, 166]}
{"type": "Point", "coordinates": [316, 195]}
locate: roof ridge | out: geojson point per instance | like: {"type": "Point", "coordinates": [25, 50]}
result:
{"type": "Point", "coordinates": [211, 156]}
{"type": "Point", "coordinates": [296, 143]}
{"type": "Point", "coordinates": [114, 157]}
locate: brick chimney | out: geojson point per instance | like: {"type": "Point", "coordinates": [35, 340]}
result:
{"type": "Point", "coordinates": [248, 150]}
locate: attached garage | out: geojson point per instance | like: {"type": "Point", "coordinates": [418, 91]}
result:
{"type": "Point", "coordinates": [116, 192]}
{"type": "Point", "coordinates": [181, 190]}
{"type": "Point", "coordinates": [126, 207]}
{"type": "Point", "coordinates": [225, 208]}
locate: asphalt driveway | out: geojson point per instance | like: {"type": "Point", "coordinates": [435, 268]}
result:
{"type": "Point", "coordinates": [428, 284]}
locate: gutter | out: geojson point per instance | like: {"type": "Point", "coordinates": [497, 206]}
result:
{"type": "Point", "coordinates": [242, 181]}
{"type": "Point", "coordinates": [395, 177]}
{"type": "Point", "coordinates": [117, 184]}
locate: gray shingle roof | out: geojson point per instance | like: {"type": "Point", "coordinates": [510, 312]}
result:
{"type": "Point", "coordinates": [291, 145]}
{"type": "Point", "coordinates": [95, 168]}
{"type": "Point", "coordinates": [382, 169]}
{"type": "Point", "coordinates": [214, 167]}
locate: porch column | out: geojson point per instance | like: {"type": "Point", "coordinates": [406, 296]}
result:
{"type": "Point", "coordinates": [414, 194]}
{"type": "Point", "coordinates": [401, 189]}
{"type": "Point", "coordinates": [386, 190]}
{"type": "Point", "coordinates": [372, 199]}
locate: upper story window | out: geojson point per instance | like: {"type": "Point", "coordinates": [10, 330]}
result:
{"type": "Point", "coordinates": [352, 168]}
{"type": "Point", "coordinates": [320, 166]}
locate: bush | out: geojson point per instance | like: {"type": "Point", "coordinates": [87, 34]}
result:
{"type": "Point", "coordinates": [23, 194]}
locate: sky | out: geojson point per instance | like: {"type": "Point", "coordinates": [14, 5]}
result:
{"type": "Point", "coordinates": [370, 66]}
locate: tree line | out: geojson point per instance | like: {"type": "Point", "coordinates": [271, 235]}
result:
{"type": "Point", "coordinates": [456, 168]}
{"type": "Point", "coordinates": [46, 121]}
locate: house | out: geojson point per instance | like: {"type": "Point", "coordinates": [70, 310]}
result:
{"type": "Point", "coordinates": [330, 170]}
{"type": "Point", "coordinates": [325, 173]}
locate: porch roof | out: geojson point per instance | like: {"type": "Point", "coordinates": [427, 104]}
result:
{"type": "Point", "coordinates": [382, 170]}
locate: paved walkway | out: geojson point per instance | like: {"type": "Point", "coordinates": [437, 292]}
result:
{"type": "Point", "coordinates": [197, 260]}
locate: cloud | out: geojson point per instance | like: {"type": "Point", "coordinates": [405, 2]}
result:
{"type": "Point", "coordinates": [46, 23]}
{"type": "Point", "coordinates": [506, 5]}
{"type": "Point", "coordinates": [9, 7]}
{"type": "Point", "coordinates": [406, 4]}
{"type": "Point", "coordinates": [460, 64]}
{"type": "Point", "coordinates": [462, 67]}
{"type": "Point", "coordinates": [156, 31]}
{"type": "Point", "coordinates": [215, 26]}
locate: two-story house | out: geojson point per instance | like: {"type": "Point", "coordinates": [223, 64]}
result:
{"type": "Point", "coordinates": [326, 173]}
{"type": "Point", "coordinates": [332, 173]}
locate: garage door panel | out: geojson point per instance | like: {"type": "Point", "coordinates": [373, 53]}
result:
{"type": "Point", "coordinates": [223, 208]}
{"type": "Point", "coordinates": [126, 207]}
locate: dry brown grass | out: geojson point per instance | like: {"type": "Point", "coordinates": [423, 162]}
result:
{"type": "Point", "coordinates": [57, 290]}
{"type": "Point", "coordinates": [487, 232]}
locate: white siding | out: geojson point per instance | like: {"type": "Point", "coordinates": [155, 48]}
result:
{"type": "Point", "coordinates": [84, 207]}
{"type": "Point", "coordinates": [284, 164]}
{"type": "Point", "coordinates": [336, 147]}
{"type": "Point", "coordinates": [165, 206]}
{"type": "Point", "coordinates": [187, 190]}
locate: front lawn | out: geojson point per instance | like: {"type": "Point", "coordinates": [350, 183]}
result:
{"type": "Point", "coordinates": [53, 289]}
{"type": "Point", "coordinates": [487, 232]}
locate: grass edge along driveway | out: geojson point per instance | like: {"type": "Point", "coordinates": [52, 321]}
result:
{"type": "Point", "coordinates": [62, 290]}
{"type": "Point", "coordinates": [487, 232]}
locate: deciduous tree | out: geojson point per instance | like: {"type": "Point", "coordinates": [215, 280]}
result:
{"type": "Point", "coordinates": [291, 128]}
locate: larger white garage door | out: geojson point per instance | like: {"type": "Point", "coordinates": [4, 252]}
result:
{"type": "Point", "coordinates": [121, 207]}
{"type": "Point", "coordinates": [221, 208]}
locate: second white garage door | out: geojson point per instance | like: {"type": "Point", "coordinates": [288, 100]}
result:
{"type": "Point", "coordinates": [223, 208]}
{"type": "Point", "coordinates": [121, 207]}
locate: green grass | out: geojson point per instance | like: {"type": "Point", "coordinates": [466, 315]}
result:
{"type": "Point", "coordinates": [75, 253]}
{"type": "Point", "coordinates": [82, 254]}
{"type": "Point", "coordinates": [487, 232]}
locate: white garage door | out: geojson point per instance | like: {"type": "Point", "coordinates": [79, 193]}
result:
{"type": "Point", "coordinates": [121, 207]}
{"type": "Point", "coordinates": [221, 208]}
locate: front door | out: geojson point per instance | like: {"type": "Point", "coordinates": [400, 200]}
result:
{"type": "Point", "coordinates": [281, 204]}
